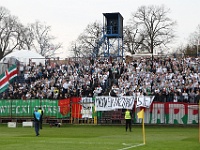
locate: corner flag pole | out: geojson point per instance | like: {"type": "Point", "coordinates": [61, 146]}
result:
{"type": "Point", "coordinates": [143, 129]}
{"type": "Point", "coordinates": [140, 115]}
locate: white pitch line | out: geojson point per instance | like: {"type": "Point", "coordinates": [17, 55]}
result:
{"type": "Point", "coordinates": [132, 146]}
{"type": "Point", "coordinates": [126, 144]}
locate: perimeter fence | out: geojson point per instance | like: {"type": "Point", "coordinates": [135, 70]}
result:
{"type": "Point", "coordinates": [79, 110]}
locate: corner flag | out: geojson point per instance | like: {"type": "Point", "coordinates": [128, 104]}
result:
{"type": "Point", "coordinates": [140, 114]}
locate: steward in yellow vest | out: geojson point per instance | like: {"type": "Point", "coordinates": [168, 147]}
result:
{"type": "Point", "coordinates": [128, 116]}
{"type": "Point", "coordinates": [41, 113]}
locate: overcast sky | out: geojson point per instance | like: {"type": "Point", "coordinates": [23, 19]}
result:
{"type": "Point", "coordinates": [68, 18]}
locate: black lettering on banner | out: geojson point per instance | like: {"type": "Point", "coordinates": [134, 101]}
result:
{"type": "Point", "coordinates": [139, 102]}
{"type": "Point", "coordinates": [105, 102]}
{"type": "Point", "coordinates": [120, 102]}
{"type": "Point", "coordinates": [86, 106]}
{"type": "Point", "coordinates": [101, 102]}
{"type": "Point", "coordinates": [129, 102]}
{"type": "Point", "coordinates": [98, 102]}
{"type": "Point", "coordinates": [110, 103]}
{"type": "Point", "coordinates": [86, 100]}
{"type": "Point", "coordinates": [114, 101]}
{"type": "Point", "coordinates": [123, 102]}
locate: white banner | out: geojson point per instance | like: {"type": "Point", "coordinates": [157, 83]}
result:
{"type": "Point", "coordinates": [87, 105]}
{"type": "Point", "coordinates": [107, 103]}
{"type": "Point", "coordinates": [86, 110]}
{"type": "Point", "coordinates": [144, 101]}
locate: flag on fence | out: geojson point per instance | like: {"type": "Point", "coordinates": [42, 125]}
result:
{"type": "Point", "coordinates": [7, 77]}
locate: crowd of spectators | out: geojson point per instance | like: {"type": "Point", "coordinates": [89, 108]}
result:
{"type": "Point", "coordinates": [169, 79]}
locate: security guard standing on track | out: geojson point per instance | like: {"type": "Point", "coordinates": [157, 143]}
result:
{"type": "Point", "coordinates": [37, 116]}
{"type": "Point", "coordinates": [128, 117]}
{"type": "Point", "coordinates": [41, 113]}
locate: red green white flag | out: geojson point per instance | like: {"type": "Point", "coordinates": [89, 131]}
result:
{"type": "Point", "coordinates": [3, 82]}
{"type": "Point", "coordinates": [7, 77]}
{"type": "Point", "coordinates": [12, 72]}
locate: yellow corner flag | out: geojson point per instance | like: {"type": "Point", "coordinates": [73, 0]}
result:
{"type": "Point", "coordinates": [140, 114]}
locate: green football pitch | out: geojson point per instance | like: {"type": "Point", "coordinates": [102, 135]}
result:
{"type": "Point", "coordinates": [96, 137]}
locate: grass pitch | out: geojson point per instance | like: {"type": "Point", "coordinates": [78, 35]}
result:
{"type": "Point", "coordinates": [92, 137]}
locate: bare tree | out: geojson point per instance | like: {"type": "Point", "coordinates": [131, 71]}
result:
{"type": "Point", "coordinates": [194, 41]}
{"type": "Point", "coordinates": [74, 49]}
{"type": "Point", "coordinates": [155, 26]}
{"type": "Point", "coordinates": [27, 38]}
{"type": "Point", "coordinates": [195, 36]}
{"type": "Point", "coordinates": [10, 32]}
{"type": "Point", "coordinates": [132, 39]}
{"type": "Point", "coordinates": [89, 42]}
{"type": "Point", "coordinates": [43, 43]}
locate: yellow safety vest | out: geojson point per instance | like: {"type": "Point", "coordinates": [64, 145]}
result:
{"type": "Point", "coordinates": [127, 115]}
{"type": "Point", "coordinates": [40, 111]}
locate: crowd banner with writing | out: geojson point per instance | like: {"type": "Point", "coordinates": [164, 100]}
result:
{"type": "Point", "coordinates": [144, 101]}
{"type": "Point", "coordinates": [25, 108]}
{"type": "Point", "coordinates": [108, 103]}
{"type": "Point", "coordinates": [171, 113]}
{"type": "Point", "coordinates": [86, 107]}
{"type": "Point", "coordinates": [82, 107]}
